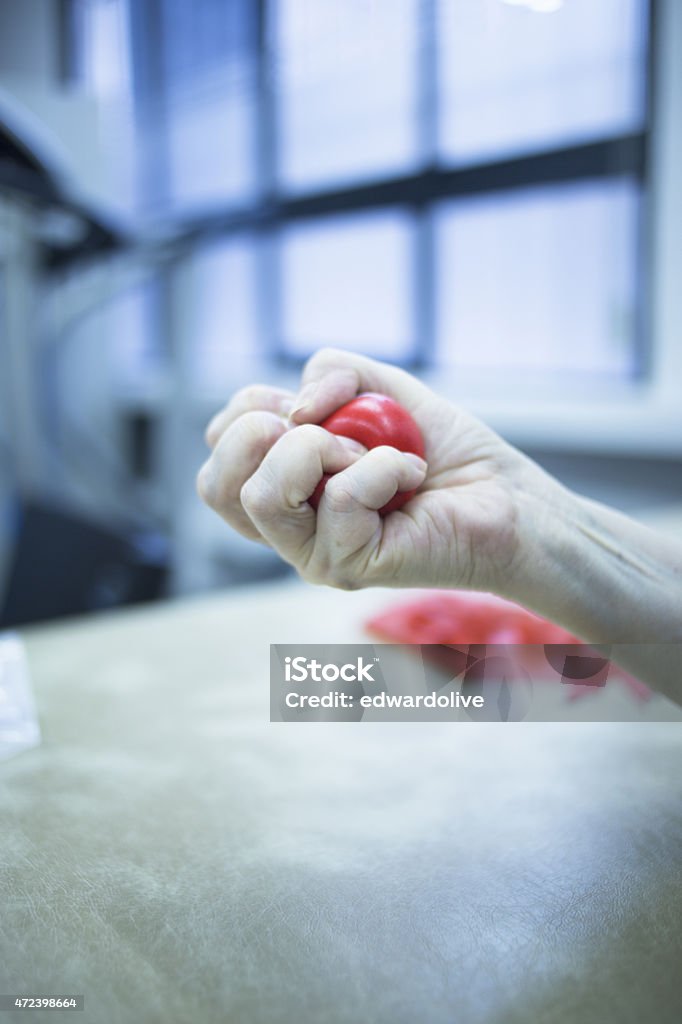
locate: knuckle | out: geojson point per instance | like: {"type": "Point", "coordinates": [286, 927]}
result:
{"type": "Point", "coordinates": [258, 430]}
{"type": "Point", "coordinates": [206, 484]}
{"type": "Point", "coordinates": [255, 497]}
{"type": "Point", "coordinates": [386, 454]}
{"type": "Point", "coordinates": [338, 496]}
{"type": "Point", "coordinates": [323, 357]}
{"type": "Point", "coordinates": [384, 450]}
{"type": "Point", "coordinates": [327, 360]}
{"type": "Point", "coordinates": [258, 422]}
{"type": "Point", "coordinates": [211, 434]}
{"type": "Point", "coordinates": [308, 434]}
{"type": "Point", "coordinates": [247, 396]}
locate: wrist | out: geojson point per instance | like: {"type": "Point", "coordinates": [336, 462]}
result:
{"type": "Point", "coordinates": [546, 572]}
{"type": "Point", "coordinates": [582, 570]}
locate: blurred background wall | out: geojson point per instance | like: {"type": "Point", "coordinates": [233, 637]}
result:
{"type": "Point", "coordinates": [197, 195]}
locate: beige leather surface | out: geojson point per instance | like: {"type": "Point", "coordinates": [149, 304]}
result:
{"type": "Point", "coordinates": [175, 857]}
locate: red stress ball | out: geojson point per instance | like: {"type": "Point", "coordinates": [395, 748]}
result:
{"type": "Point", "coordinates": [373, 420]}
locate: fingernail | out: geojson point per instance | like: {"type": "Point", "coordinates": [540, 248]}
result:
{"type": "Point", "coordinates": [303, 399]}
{"type": "Point", "coordinates": [416, 461]}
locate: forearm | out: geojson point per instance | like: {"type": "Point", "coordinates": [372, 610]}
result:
{"type": "Point", "coordinates": [603, 576]}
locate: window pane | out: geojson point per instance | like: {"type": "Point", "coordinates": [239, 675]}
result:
{"type": "Point", "coordinates": [103, 35]}
{"type": "Point", "coordinates": [210, 76]}
{"type": "Point", "coordinates": [102, 67]}
{"type": "Point", "coordinates": [515, 79]}
{"type": "Point", "coordinates": [225, 310]}
{"type": "Point", "coordinates": [196, 91]}
{"type": "Point", "coordinates": [131, 322]}
{"type": "Point", "coordinates": [540, 279]}
{"type": "Point", "coordinates": [211, 142]}
{"type": "Point", "coordinates": [348, 281]}
{"type": "Point", "coordinates": [346, 88]}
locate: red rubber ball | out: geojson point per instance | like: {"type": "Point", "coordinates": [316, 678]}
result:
{"type": "Point", "coordinates": [373, 420]}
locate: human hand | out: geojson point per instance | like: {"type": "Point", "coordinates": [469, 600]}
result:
{"type": "Point", "coordinates": [459, 530]}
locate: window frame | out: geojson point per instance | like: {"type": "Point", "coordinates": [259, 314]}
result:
{"type": "Point", "coordinates": [417, 193]}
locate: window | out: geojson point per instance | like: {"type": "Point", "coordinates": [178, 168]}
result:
{"type": "Point", "coordinates": [345, 89]}
{"type": "Point", "coordinates": [208, 50]}
{"type": "Point", "coordinates": [514, 80]}
{"type": "Point", "coordinates": [129, 322]}
{"type": "Point", "coordinates": [195, 88]}
{"type": "Point", "coordinates": [540, 279]}
{"type": "Point", "coordinates": [348, 281]}
{"type": "Point", "coordinates": [225, 315]}
{"type": "Point", "coordinates": [100, 32]}
{"type": "Point", "coordinates": [101, 64]}
{"type": "Point", "coordinates": [441, 182]}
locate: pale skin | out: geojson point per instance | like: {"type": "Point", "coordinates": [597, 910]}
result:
{"type": "Point", "coordinates": [485, 516]}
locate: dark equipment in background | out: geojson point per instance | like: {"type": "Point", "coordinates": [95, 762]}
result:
{"type": "Point", "coordinates": [65, 565]}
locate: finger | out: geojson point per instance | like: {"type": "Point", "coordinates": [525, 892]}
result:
{"type": "Point", "coordinates": [333, 377]}
{"type": "Point", "coordinates": [258, 396]}
{"type": "Point", "coordinates": [348, 514]}
{"type": "Point", "coordinates": [236, 457]}
{"type": "Point", "coordinates": [276, 495]}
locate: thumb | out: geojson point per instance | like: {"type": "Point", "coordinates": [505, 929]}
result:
{"type": "Point", "coordinates": [333, 377]}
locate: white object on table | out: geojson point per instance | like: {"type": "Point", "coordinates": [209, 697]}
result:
{"type": "Point", "coordinates": [19, 727]}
